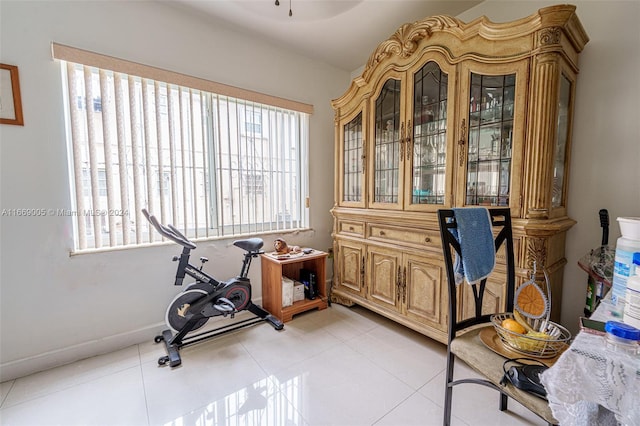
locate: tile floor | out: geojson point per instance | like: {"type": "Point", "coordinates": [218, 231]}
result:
{"type": "Point", "coordinates": [339, 366]}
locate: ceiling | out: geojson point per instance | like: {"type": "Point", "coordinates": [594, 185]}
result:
{"type": "Point", "coordinates": [342, 33]}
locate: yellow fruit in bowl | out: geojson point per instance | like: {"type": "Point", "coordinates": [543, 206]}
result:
{"type": "Point", "coordinates": [513, 325]}
{"type": "Point", "coordinates": [534, 342]}
{"type": "Point", "coordinates": [522, 321]}
{"type": "Point", "coordinates": [538, 343]}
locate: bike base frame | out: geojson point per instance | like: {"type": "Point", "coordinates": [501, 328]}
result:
{"type": "Point", "coordinates": [173, 343]}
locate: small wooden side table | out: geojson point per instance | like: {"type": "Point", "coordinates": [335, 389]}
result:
{"type": "Point", "coordinates": [273, 269]}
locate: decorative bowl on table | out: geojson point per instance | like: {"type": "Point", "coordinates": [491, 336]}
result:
{"type": "Point", "coordinates": [545, 341]}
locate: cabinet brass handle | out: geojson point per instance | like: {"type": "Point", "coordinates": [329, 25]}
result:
{"type": "Point", "coordinates": [398, 284]}
{"type": "Point", "coordinates": [351, 228]}
{"type": "Point", "coordinates": [427, 240]}
{"type": "Point", "coordinates": [363, 157]}
{"type": "Point", "coordinates": [409, 139]}
{"type": "Point", "coordinates": [382, 233]}
{"type": "Point", "coordinates": [401, 141]}
{"type": "Point", "coordinates": [404, 285]}
{"type": "Point", "coordinates": [461, 142]}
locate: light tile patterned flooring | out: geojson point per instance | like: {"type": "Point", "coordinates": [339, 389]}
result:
{"type": "Point", "coordinates": [339, 366]}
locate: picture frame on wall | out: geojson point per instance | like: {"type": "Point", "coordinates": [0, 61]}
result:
{"type": "Point", "coordinates": [10, 101]}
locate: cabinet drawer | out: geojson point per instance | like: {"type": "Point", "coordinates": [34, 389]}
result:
{"type": "Point", "coordinates": [351, 227]}
{"type": "Point", "coordinates": [419, 237]}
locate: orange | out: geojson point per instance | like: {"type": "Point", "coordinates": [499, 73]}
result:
{"type": "Point", "coordinates": [513, 325]}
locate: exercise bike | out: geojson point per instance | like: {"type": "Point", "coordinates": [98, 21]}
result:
{"type": "Point", "coordinates": [207, 297]}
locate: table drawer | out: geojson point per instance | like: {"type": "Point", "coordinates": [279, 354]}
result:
{"type": "Point", "coordinates": [419, 237]}
{"type": "Point", "coordinates": [351, 227]}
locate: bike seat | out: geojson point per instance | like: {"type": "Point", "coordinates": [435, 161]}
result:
{"type": "Point", "coordinates": [250, 244]}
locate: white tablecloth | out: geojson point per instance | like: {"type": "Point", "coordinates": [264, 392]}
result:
{"type": "Point", "coordinates": [590, 385]}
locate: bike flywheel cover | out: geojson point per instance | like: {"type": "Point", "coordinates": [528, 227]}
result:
{"type": "Point", "coordinates": [178, 314]}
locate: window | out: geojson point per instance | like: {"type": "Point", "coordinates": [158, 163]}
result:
{"type": "Point", "coordinates": [210, 164]}
{"type": "Point", "coordinates": [254, 122]}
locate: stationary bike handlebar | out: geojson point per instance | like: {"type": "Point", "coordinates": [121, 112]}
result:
{"type": "Point", "coordinates": [169, 231]}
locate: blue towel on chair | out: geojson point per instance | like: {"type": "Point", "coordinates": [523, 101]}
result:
{"type": "Point", "coordinates": [476, 244]}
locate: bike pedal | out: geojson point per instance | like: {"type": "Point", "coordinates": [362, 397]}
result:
{"type": "Point", "coordinates": [224, 308]}
{"type": "Point", "coordinates": [224, 305]}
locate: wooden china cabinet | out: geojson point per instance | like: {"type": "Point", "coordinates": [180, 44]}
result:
{"type": "Point", "coordinates": [452, 114]}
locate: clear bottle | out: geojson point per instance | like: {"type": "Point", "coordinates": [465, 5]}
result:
{"type": "Point", "coordinates": [621, 337]}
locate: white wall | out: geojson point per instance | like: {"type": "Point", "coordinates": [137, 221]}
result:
{"type": "Point", "coordinates": [605, 155]}
{"type": "Point", "coordinates": [55, 308]}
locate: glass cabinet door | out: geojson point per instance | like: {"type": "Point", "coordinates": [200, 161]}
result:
{"type": "Point", "coordinates": [389, 132]}
{"type": "Point", "coordinates": [428, 148]}
{"type": "Point", "coordinates": [562, 137]}
{"type": "Point", "coordinates": [352, 162]}
{"type": "Point", "coordinates": [490, 139]}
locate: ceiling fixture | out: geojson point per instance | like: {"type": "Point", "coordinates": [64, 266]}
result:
{"type": "Point", "coordinates": [290, 12]}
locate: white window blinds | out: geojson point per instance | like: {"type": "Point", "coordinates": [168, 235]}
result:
{"type": "Point", "coordinates": [210, 164]}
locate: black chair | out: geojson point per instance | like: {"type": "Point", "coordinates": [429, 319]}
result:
{"type": "Point", "coordinates": [464, 341]}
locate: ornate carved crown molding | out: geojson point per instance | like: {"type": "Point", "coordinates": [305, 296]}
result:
{"type": "Point", "coordinates": [546, 28]}
{"type": "Point", "coordinates": [552, 21]}
{"type": "Point", "coordinates": [404, 42]}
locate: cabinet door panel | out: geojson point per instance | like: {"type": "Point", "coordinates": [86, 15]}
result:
{"type": "Point", "coordinates": [425, 300]}
{"type": "Point", "coordinates": [389, 132]}
{"type": "Point", "coordinates": [492, 134]}
{"type": "Point", "coordinates": [350, 266]}
{"type": "Point", "coordinates": [351, 166]}
{"type": "Point", "coordinates": [383, 274]}
{"type": "Point", "coordinates": [561, 151]}
{"type": "Point", "coordinates": [429, 140]}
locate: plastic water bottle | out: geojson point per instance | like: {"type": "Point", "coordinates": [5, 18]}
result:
{"type": "Point", "coordinates": [632, 305]}
{"type": "Point", "coordinates": [627, 249]}
{"type": "Point", "coordinates": [622, 339]}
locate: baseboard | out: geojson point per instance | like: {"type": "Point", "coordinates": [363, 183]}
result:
{"type": "Point", "coordinates": [56, 358]}
{"type": "Point", "coordinates": [33, 364]}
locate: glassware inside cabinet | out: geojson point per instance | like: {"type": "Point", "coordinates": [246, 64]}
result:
{"type": "Point", "coordinates": [491, 113]}
{"type": "Point", "coordinates": [387, 143]}
{"type": "Point", "coordinates": [429, 135]}
{"type": "Point", "coordinates": [353, 159]}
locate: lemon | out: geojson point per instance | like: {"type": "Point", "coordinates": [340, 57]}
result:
{"type": "Point", "coordinates": [513, 325]}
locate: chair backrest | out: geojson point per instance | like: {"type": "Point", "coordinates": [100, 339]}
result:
{"type": "Point", "coordinates": [503, 235]}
